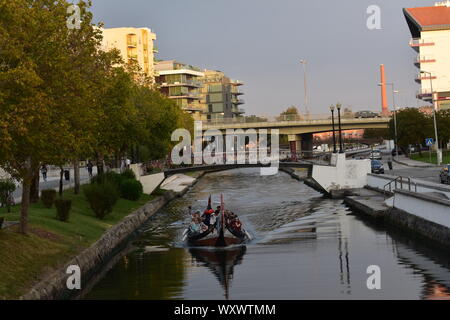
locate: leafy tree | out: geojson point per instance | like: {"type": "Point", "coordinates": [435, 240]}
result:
{"type": "Point", "coordinates": [413, 127]}
{"type": "Point", "coordinates": [290, 113]}
{"type": "Point", "coordinates": [443, 124]}
{"type": "Point", "coordinates": [44, 109]}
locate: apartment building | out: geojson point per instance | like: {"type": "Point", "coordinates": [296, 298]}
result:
{"type": "Point", "coordinates": [180, 82]}
{"type": "Point", "coordinates": [134, 44]}
{"type": "Point", "coordinates": [430, 30]}
{"type": "Point", "coordinates": [220, 96]}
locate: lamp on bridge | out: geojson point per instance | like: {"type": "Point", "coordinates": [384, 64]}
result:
{"type": "Point", "coordinates": [334, 131]}
{"type": "Point", "coordinates": [341, 148]}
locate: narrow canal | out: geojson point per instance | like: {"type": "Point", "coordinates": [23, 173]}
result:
{"type": "Point", "coordinates": [305, 247]}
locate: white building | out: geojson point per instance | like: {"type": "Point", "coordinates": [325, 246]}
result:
{"type": "Point", "coordinates": [134, 44]}
{"type": "Point", "coordinates": [430, 30]}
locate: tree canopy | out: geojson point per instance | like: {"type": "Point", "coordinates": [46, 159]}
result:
{"type": "Point", "coordinates": [63, 98]}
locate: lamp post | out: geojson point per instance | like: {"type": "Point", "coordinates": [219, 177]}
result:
{"type": "Point", "coordinates": [395, 116]}
{"type": "Point", "coordinates": [334, 131]}
{"type": "Point", "coordinates": [438, 154]}
{"type": "Point", "coordinates": [304, 63]}
{"type": "Point", "coordinates": [341, 148]}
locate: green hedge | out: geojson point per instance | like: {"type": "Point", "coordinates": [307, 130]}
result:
{"type": "Point", "coordinates": [48, 197]}
{"type": "Point", "coordinates": [131, 189]}
{"type": "Point", "coordinates": [101, 198]}
{"type": "Point", "coordinates": [63, 207]}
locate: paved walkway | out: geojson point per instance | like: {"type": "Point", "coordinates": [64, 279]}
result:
{"type": "Point", "coordinates": [413, 163]}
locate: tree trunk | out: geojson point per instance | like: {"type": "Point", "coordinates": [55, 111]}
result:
{"type": "Point", "coordinates": [100, 169]}
{"type": "Point", "coordinates": [34, 187]}
{"type": "Point", "coordinates": [61, 173]}
{"type": "Point", "coordinates": [25, 205]}
{"type": "Point", "coordinates": [76, 175]}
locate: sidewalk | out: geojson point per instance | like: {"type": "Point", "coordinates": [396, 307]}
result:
{"type": "Point", "coordinates": [413, 163]}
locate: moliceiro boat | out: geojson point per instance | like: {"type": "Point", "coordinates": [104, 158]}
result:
{"type": "Point", "coordinates": [215, 228]}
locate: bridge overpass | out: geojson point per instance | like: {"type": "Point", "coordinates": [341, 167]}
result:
{"type": "Point", "coordinates": [299, 132]}
{"type": "Point", "coordinates": [221, 167]}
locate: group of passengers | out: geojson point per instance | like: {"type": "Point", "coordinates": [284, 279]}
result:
{"type": "Point", "coordinates": [210, 218]}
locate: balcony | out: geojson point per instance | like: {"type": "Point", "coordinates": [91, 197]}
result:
{"type": "Point", "coordinates": [416, 43]}
{"type": "Point", "coordinates": [186, 83]}
{"type": "Point", "coordinates": [237, 93]}
{"type": "Point", "coordinates": [423, 59]}
{"type": "Point", "coordinates": [424, 76]}
{"type": "Point", "coordinates": [424, 94]}
{"type": "Point", "coordinates": [194, 96]}
{"type": "Point", "coordinates": [238, 110]}
{"type": "Point", "coordinates": [133, 57]}
{"type": "Point", "coordinates": [236, 82]}
{"type": "Point", "coordinates": [237, 101]}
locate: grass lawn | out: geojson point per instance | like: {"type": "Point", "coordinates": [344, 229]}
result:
{"type": "Point", "coordinates": [50, 243]}
{"type": "Point", "coordinates": [426, 157]}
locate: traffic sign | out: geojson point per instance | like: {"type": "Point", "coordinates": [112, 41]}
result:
{"type": "Point", "coordinates": [429, 142]}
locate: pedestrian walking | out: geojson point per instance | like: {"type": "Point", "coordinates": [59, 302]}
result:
{"type": "Point", "coordinates": [44, 172]}
{"type": "Point", "coordinates": [89, 168]}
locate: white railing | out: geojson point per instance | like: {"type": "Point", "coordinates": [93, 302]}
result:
{"type": "Point", "coordinates": [298, 119]}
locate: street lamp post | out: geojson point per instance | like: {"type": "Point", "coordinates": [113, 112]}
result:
{"type": "Point", "coordinates": [334, 131]}
{"type": "Point", "coordinates": [395, 116]}
{"type": "Point", "coordinates": [341, 149]}
{"type": "Point", "coordinates": [304, 62]}
{"type": "Point", "coordinates": [438, 154]}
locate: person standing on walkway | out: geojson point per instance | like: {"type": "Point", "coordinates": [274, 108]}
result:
{"type": "Point", "coordinates": [44, 172]}
{"type": "Point", "coordinates": [89, 168]}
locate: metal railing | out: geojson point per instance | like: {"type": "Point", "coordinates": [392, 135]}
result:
{"type": "Point", "coordinates": [301, 119]}
{"type": "Point", "coordinates": [399, 181]}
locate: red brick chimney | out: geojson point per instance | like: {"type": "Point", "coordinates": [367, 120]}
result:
{"type": "Point", "coordinates": [384, 104]}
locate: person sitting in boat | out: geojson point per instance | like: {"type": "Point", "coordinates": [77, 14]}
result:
{"type": "Point", "coordinates": [236, 224]}
{"type": "Point", "coordinates": [207, 216]}
{"type": "Point", "coordinates": [197, 226]}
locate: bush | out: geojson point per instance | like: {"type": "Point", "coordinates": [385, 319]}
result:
{"type": "Point", "coordinates": [48, 197]}
{"type": "Point", "coordinates": [63, 207]}
{"type": "Point", "coordinates": [101, 198]}
{"type": "Point", "coordinates": [7, 187]}
{"type": "Point", "coordinates": [131, 189]}
{"type": "Point", "coordinates": [111, 177]}
{"type": "Point", "coordinates": [128, 174]}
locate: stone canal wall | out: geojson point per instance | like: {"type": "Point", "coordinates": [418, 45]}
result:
{"type": "Point", "coordinates": [93, 260]}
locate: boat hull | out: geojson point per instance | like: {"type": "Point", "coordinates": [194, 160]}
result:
{"type": "Point", "coordinates": [217, 239]}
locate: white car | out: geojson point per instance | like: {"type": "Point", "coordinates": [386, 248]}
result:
{"type": "Point", "coordinates": [375, 155]}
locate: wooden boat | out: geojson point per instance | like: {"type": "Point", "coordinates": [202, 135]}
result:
{"type": "Point", "coordinates": [217, 235]}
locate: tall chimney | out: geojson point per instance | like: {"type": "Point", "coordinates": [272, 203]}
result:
{"type": "Point", "coordinates": [384, 104]}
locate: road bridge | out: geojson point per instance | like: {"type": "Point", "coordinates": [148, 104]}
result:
{"type": "Point", "coordinates": [299, 132]}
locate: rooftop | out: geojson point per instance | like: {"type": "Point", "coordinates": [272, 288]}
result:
{"type": "Point", "coordinates": [428, 18]}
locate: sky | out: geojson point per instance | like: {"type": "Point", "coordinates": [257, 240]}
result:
{"type": "Point", "coordinates": [261, 43]}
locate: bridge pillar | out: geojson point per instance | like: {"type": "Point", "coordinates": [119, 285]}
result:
{"type": "Point", "coordinates": [307, 145]}
{"type": "Point", "coordinates": [295, 143]}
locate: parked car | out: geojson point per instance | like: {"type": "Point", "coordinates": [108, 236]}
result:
{"type": "Point", "coordinates": [377, 167]}
{"type": "Point", "coordinates": [376, 154]}
{"type": "Point", "coordinates": [394, 152]}
{"type": "Point", "coordinates": [444, 176]}
{"type": "Point", "coordinates": [366, 114]}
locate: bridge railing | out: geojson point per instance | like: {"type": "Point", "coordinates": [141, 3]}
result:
{"type": "Point", "coordinates": [312, 119]}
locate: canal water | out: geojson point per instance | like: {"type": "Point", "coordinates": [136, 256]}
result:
{"type": "Point", "coordinates": [304, 247]}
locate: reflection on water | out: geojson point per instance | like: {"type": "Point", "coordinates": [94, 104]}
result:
{"type": "Point", "coordinates": [221, 262]}
{"type": "Point", "coordinates": [304, 247]}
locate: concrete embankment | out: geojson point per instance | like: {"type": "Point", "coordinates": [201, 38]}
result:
{"type": "Point", "coordinates": [421, 215]}
{"type": "Point", "coordinates": [94, 261]}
